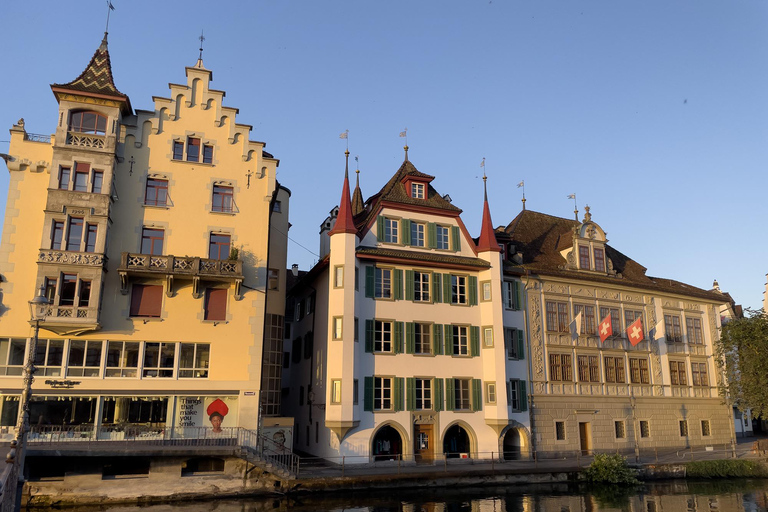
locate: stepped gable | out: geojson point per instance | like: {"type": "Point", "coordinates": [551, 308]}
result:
{"type": "Point", "coordinates": [541, 238]}
{"type": "Point", "coordinates": [394, 192]}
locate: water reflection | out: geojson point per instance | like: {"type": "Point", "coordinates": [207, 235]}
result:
{"type": "Point", "coordinates": [677, 496]}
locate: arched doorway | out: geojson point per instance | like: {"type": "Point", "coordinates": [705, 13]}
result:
{"type": "Point", "coordinates": [387, 444]}
{"type": "Point", "coordinates": [512, 445]}
{"type": "Point", "coordinates": [456, 443]}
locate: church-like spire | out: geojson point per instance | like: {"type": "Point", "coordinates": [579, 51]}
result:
{"type": "Point", "coordinates": [487, 240]}
{"type": "Point", "coordinates": [344, 222]}
{"type": "Point", "coordinates": [358, 204]}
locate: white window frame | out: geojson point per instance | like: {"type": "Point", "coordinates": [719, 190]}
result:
{"type": "Point", "coordinates": [421, 286]}
{"type": "Point", "coordinates": [383, 336]}
{"type": "Point", "coordinates": [460, 340]}
{"type": "Point", "coordinates": [337, 327]}
{"type": "Point", "coordinates": [423, 390]}
{"type": "Point", "coordinates": [459, 290]}
{"type": "Point", "coordinates": [418, 234]}
{"type": "Point", "coordinates": [391, 233]}
{"type": "Point", "coordinates": [383, 283]}
{"type": "Point", "coordinates": [383, 393]}
{"type": "Point", "coordinates": [422, 337]}
{"type": "Point", "coordinates": [418, 190]}
{"type": "Point", "coordinates": [442, 237]}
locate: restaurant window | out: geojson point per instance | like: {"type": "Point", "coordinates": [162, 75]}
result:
{"type": "Point", "coordinates": [49, 357]}
{"type": "Point", "coordinates": [12, 359]}
{"type": "Point", "coordinates": [84, 358]}
{"type": "Point", "coordinates": [122, 359]}
{"type": "Point", "coordinates": [159, 359]}
{"type": "Point", "coordinates": [215, 304]}
{"type": "Point", "coordinates": [146, 300]}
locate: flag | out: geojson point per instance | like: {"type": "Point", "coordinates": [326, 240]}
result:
{"type": "Point", "coordinates": [404, 133]}
{"type": "Point", "coordinates": [357, 158]}
{"type": "Point", "coordinates": [635, 331]}
{"type": "Point", "coordinates": [658, 331]}
{"type": "Point", "coordinates": [575, 327]}
{"type": "Point", "coordinates": [482, 164]}
{"type": "Point", "coordinates": [111, 7]}
{"type": "Point", "coordinates": [344, 135]}
{"type": "Point", "coordinates": [606, 328]}
{"type": "Point", "coordinates": [521, 184]}
{"type": "Point", "coordinates": [571, 196]}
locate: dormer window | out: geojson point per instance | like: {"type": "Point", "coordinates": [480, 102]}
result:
{"type": "Point", "coordinates": [584, 257]}
{"type": "Point", "coordinates": [418, 190]}
{"type": "Point", "coordinates": [599, 260]}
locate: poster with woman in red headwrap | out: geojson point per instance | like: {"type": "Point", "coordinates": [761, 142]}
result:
{"type": "Point", "coordinates": [216, 412]}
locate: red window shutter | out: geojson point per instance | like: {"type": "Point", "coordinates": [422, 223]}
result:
{"type": "Point", "coordinates": [216, 304]}
{"type": "Point", "coordinates": [146, 300]}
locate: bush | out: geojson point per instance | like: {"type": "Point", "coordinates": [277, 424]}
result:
{"type": "Point", "coordinates": [725, 469]}
{"type": "Point", "coordinates": [610, 469]}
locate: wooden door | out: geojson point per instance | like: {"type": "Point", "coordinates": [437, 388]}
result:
{"type": "Point", "coordinates": [424, 443]}
{"type": "Point", "coordinates": [584, 438]}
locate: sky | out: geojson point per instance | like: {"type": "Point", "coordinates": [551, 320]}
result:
{"type": "Point", "coordinates": [653, 112]}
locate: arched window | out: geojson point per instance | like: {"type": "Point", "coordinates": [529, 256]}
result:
{"type": "Point", "coordinates": [87, 122]}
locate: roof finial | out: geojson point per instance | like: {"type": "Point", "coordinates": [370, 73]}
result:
{"type": "Point", "coordinates": [404, 133]}
{"type": "Point", "coordinates": [485, 178]}
{"type": "Point", "coordinates": [110, 7]}
{"type": "Point", "coordinates": [587, 215]}
{"type": "Point", "coordinates": [346, 164]}
{"type": "Point", "coordinates": [200, 57]}
{"type": "Point", "coordinates": [522, 185]}
{"type": "Point", "coordinates": [575, 208]}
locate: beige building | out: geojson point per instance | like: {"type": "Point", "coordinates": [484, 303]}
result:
{"type": "Point", "coordinates": [159, 239]}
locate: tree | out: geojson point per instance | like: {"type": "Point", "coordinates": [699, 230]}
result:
{"type": "Point", "coordinates": [742, 354]}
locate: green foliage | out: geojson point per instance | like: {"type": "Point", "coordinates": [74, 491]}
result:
{"type": "Point", "coordinates": [726, 469]}
{"type": "Point", "coordinates": [234, 253]}
{"type": "Point", "coordinates": [742, 354]}
{"type": "Point", "coordinates": [610, 469]}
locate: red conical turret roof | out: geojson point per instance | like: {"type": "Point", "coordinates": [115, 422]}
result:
{"type": "Point", "coordinates": [344, 222]}
{"type": "Point", "coordinates": [487, 240]}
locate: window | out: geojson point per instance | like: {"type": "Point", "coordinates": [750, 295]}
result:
{"type": "Point", "coordinates": [599, 260]}
{"type": "Point", "coordinates": [207, 154]}
{"type": "Point", "coordinates": [273, 279]}
{"type": "Point", "coordinates": [215, 306]}
{"type": "Point", "coordinates": [421, 286]}
{"type": "Point", "coordinates": [693, 326]}
{"type": "Point", "coordinates": [587, 318]}
{"type": "Point", "coordinates": [488, 336]}
{"type": "Point", "coordinates": [460, 340]}
{"type": "Point", "coordinates": [277, 207]}
{"type": "Point", "coordinates": [146, 300]}
{"type": "Point", "coordinates": [57, 234]}
{"type": "Point", "coordinates": [50, 288]}
{"type": "Point", "coordinates": [557, 316]}
{"type": "Point", "coordinates": [614, 370]}
{"type": "Point", "coordinates": [618, 427]}
{"type": "Point", "coordinates": [560, 368]}
{"type": "Point", "coordinates": [462, 395]}
{"type": "Point", "coordinates": [630, 317]}
{"type": "Point", "coordinates": [84, 358]}
{"type": "Point", "coordinates": [683, 428]}
{"type": "Point", "coordinates": [178, 150]}
{"type": "Point", "coordinates": [337, 327]}
{"type": "Point", "coordinates": [357, 329]}
{"type": "Point", "coordinates": [90, 237]}
{"type": "Point", "coordinates": [223, 199]}
{"type": "Point", "coordinates": [193, 149]}
{"type": "Point", "coordinates": [517, 397]}
{"type": "Point", "coordinates": [97, 182]}
{"type": "Point", "coordinates": [417, 191]}
{"type": "Point", "coordinates": [338, 276]}
{"type": "Point", "coordinates": [152, 241]}
{"type": "Point", "coordinates": [699, 374]}
{"type": "Point", "coordinates": [382, 393]}
{"type": "Point", "coordinates": [335, 391]}
{"type": "Point", "coordinates": [421, 339]}
{"type": "Point", "coordinates": [156, 193]}
{"type": "Point", "coordinates": [64, 178]}
{"type": "Point", "coordinates": [49, 357]}
{"type": "Point", "coordinates": [672, 326]}
{"type": "Point", "coordinates": [442, 237]}
{"type": "Point", "coordinates": [677, 375]}
{"type": "Point", "coordinates": [219, 246]}
{"type": "Point", "coordinates": [589, 371]}
{"type": "Point", "coordinates": [391, 230]}
{"type": "Point", "coordinates": [458, 289]}
{"type": "Point", "coordinates": [355, 392]}
{"type": "Point", "coordinates": [645, 428]}
{"type": "Point", "coordinates": [193, 360]}
{"type": "Point", "coordinates": [560, 430]}
{"type": "Point", "coordinates": [514, 341]}
{"type": "Point", "coordinates": [87, 122]}
{"type": "Point", "coordinates": [159, 359]}
{"type": "Point", "coordinates": [82, 171]}
{"type": "Point", "coordinates": [84, 295]}
{"type": "Point", "coordinates": [383, 283]}
{"type": "Point", "coordinates": [74, 234]}
{"type": "Point", "coordinates": [12, 357]}
{"type": "Point", "coordinates": [512, 295]}
{"type": "Point", "coordinates": [382, 336]}
{"type": "Point", "coordinates": [423, 390]}
{"type": "Point", "coordinates": [68, 288]}
{"type": "Point", "coordinates": [418, 231]}
{"type": "Point", "coordinates": [490, 392]}
{"type": "Point", "coordinates": [638, 371]}
{"type": "Point", "coordinates": [485, 288]}
{"type": "Point", "coordinates": [615, 323]}
{"type": "Point", "coordinates": [705, 430]}
{"type": "Point", "coordinates": [584, 257]}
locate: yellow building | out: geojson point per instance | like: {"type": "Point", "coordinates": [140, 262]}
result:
{"type": "Point", "coordinates": [159, 239]}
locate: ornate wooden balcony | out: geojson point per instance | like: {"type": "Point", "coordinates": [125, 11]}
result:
{"type": "Point", "coordinates": [180, 267]}
{"type": "Point", "coordinates": [71, 319]}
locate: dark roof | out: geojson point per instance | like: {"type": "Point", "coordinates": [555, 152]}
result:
{"type": "Point", "coordinates": [421, 257]}
{"type": "Point", "coordinates": [541, 238]}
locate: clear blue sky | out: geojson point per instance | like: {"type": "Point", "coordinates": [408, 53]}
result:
{"type": "Point", "coordinates": [654, 112]}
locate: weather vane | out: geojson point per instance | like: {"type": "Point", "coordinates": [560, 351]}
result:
{"type": "Point", "coordinates": [202, 38]}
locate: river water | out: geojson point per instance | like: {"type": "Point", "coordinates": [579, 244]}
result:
{"type": "Point", "coordinates": [673, 496]}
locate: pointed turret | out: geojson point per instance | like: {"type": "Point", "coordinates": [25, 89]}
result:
{"type": "Point", "coordinates": [487, 240]}
{"type": "Point", "coordinates": [344, 222]}
{"type": "Point", "coordinates": [358, 205]}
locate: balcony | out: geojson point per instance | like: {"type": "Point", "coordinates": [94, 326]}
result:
{"type": "Point", "coordinates": [86, 140]}
{"type": "Point", "coordinates": [180, 267]}
{"type": "Point", "coordinates": [88, 259]}
{"type": "Point", "coordinates": [71, 320]}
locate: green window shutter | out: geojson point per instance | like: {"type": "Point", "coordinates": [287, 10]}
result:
{"type": "Point", "coordinates": [436, 295]}
{"type": "Point", "coordinates": [398, 337]}
{"type": "Point", "coordinates": [447, 295]}
{"type": "Point", "coordinates": [398, 393]}
{"type": "Point", "coordinates": [410, 393]}
{"type": "Point", "coordinates": [455, 239]}
{"type": "Point", "coordinates": [409, 285]}
{"type": "Point", "coordinates": [472, 290]}
{"type": "Point", "coordinates": [474, 337]}
{"type": "Point", "coordinates": [518, 295]}
{"type": "Point", "coordinates": [369, 335]}
{"type": "Point", "coordinates": [368, 394]}
{"type": "Point", "coordinates": [405, 230]}
{"type": "Point", "coordinates": [397, 283]}
{"type": "Point", "coordinates": [477, 395]}
{"type": "Point", "coordinates": [450, 395]}
{"type": "Point", "coordinates": [448, 340]}
{"type": "Point", "coordinates": [431, 235]}
{"type": "Point", "coordinates": [370, 282]}
{"type": "Point", "coordinates": [380, 228]}
{"type": "Point", "coordinates": [438, 394]}
{"type": "Point", "coordinates": [437, 339]}
{"type": "Point", "coordinates": [523, 396]}
{"type": "Point", "coordinates": [520, 343]}
{"type": "Point", "coordinates": [410, 335]}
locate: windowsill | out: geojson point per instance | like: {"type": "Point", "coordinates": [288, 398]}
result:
{"type": "Point", "coordinates": [192, 162]}
{"type": "Point", "coordinates": [463, 411]}
{"type": "Point", "coordinates": [423, 354]}
{"type": "Point", "coordinates": [156, 206]}
{"type": "Point", "coordinates": [229, 214]}
{"type": "Point", "coordinates": [459, 304]}
{"type": "Point", "coordinates": [383, 353]}
{"type": "Point", "coordinates": [146, 319]}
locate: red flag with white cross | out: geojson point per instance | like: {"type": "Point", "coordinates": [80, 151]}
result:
{"type": "Point", "coordinates": [606, 329]}
{"type": "Point", "coordinates": [635, 332]}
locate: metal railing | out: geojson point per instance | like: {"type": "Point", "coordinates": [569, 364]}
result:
{"type": "Point", "coordinates": [36, 137]}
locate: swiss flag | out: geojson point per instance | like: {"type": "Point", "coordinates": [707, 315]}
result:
{"type": "Point", "coordinates": [635, 332]}
{"type": "Point", "coordinates": [606, 329]}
